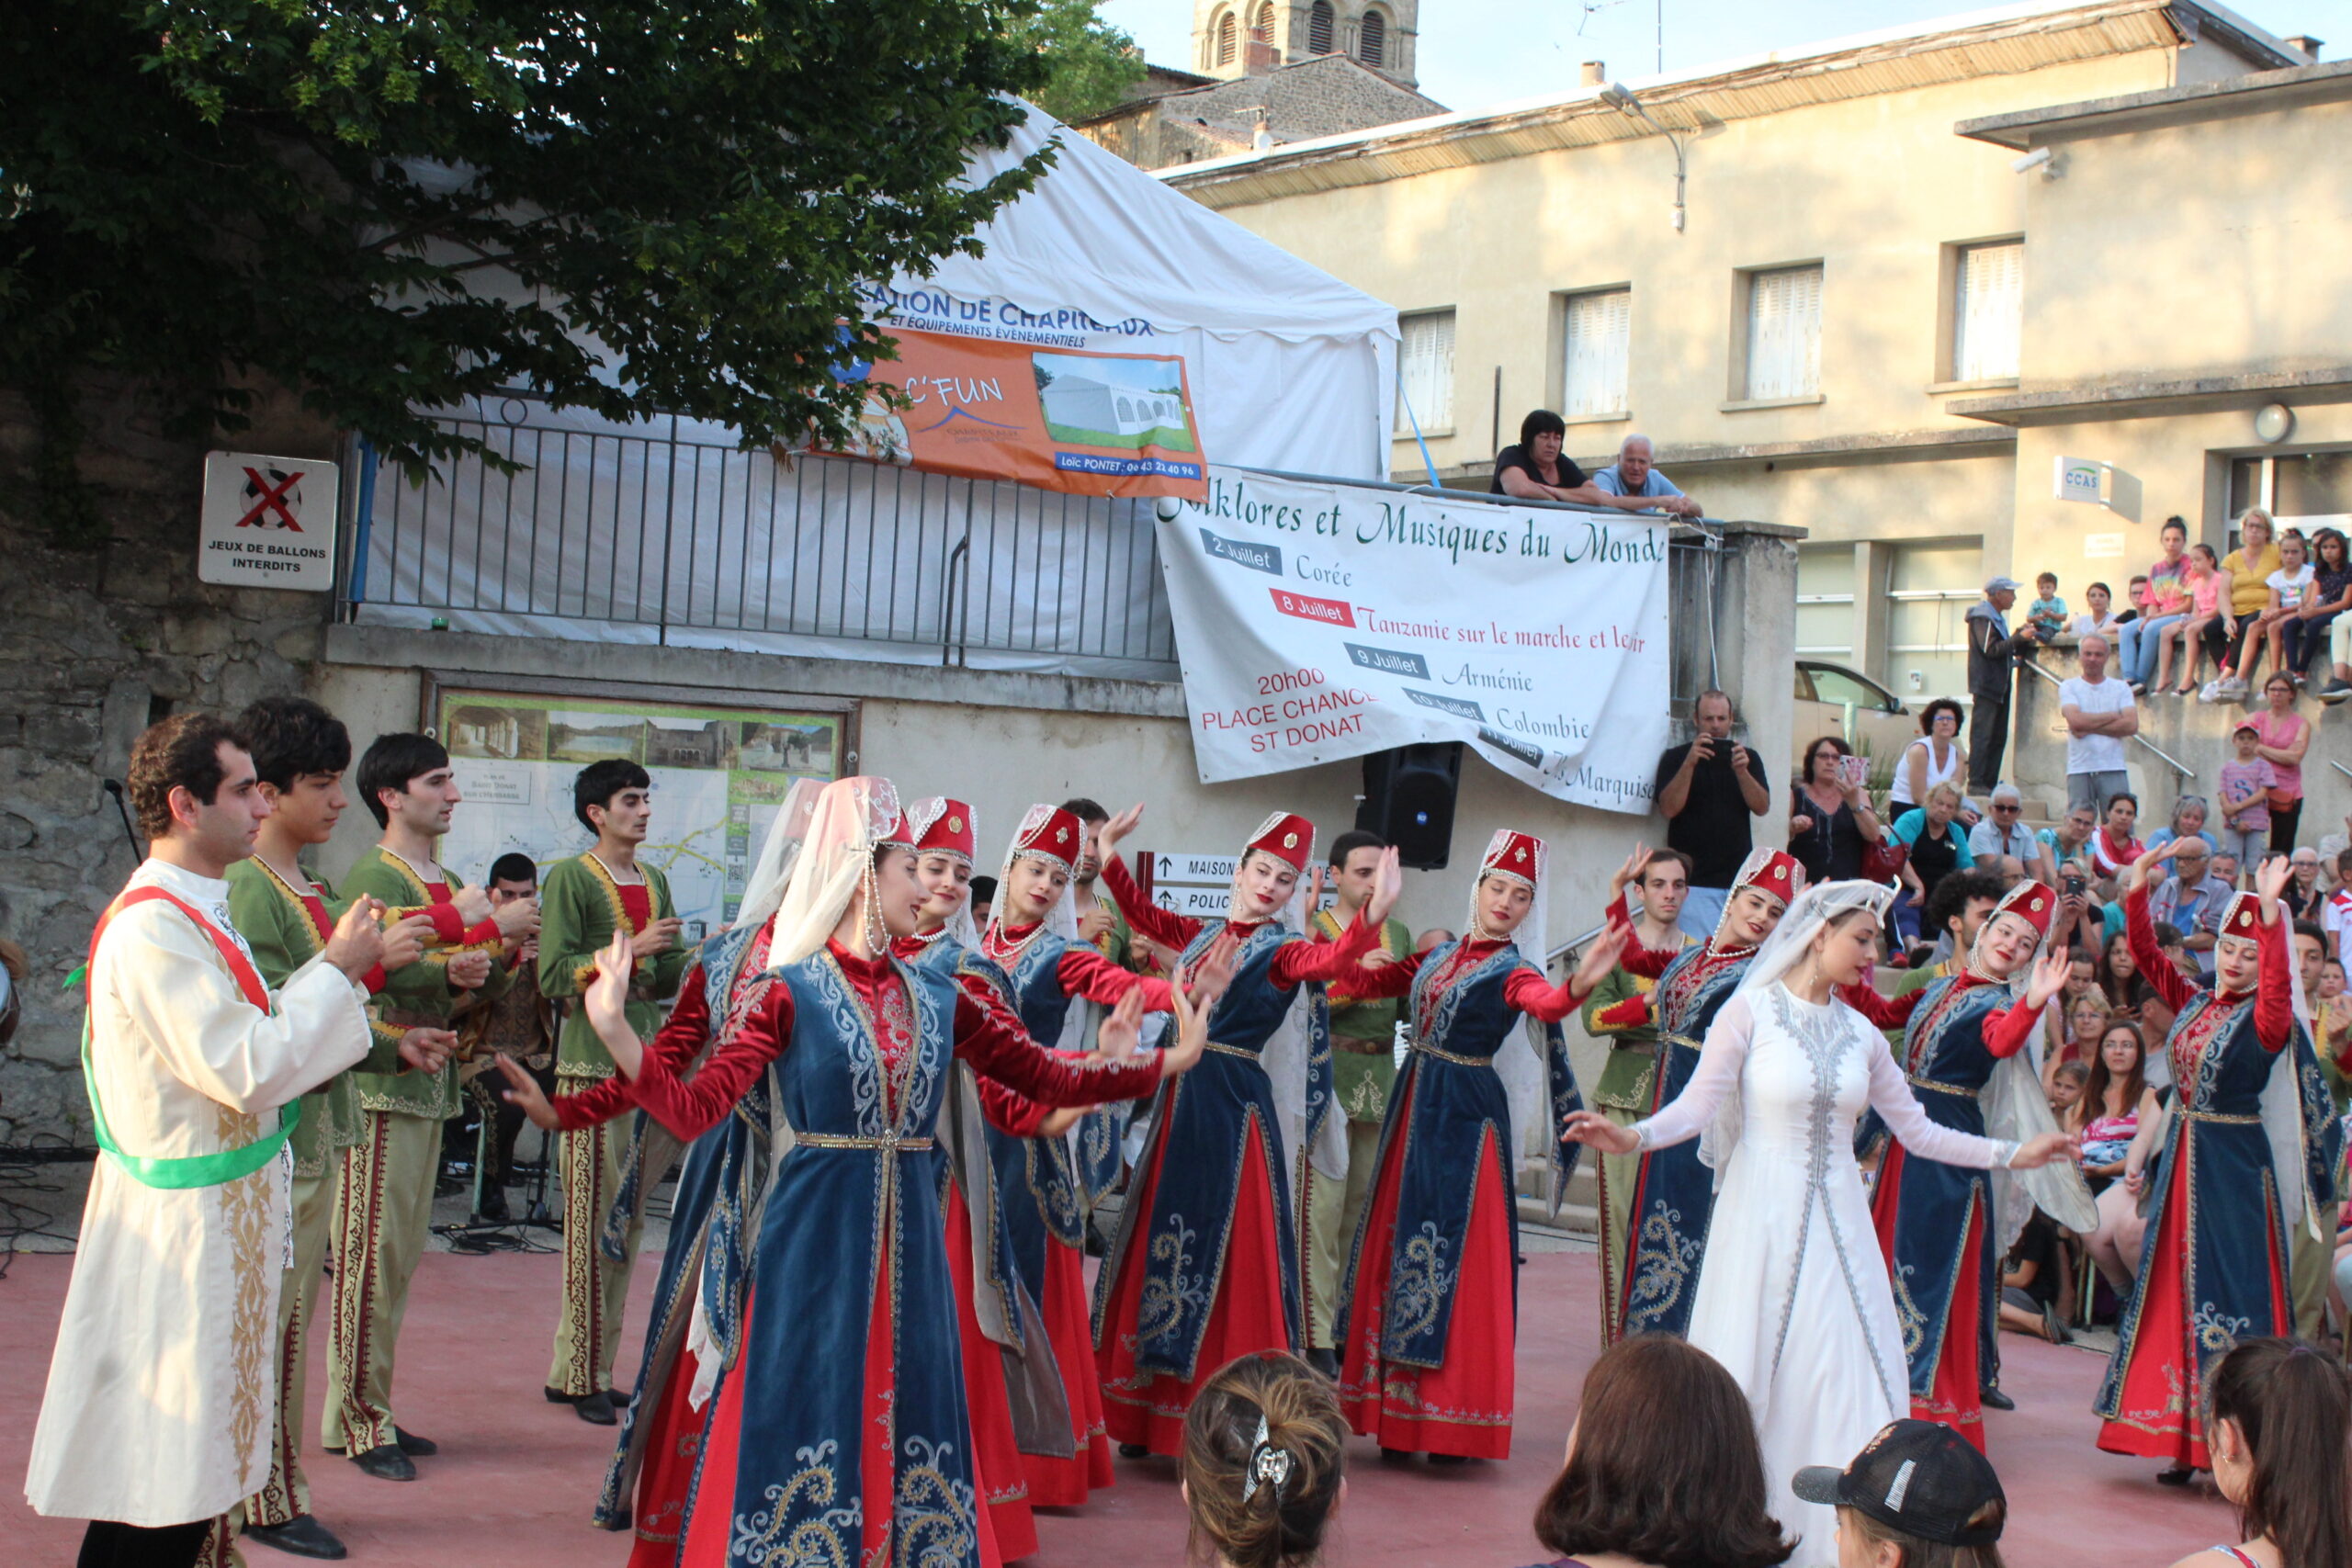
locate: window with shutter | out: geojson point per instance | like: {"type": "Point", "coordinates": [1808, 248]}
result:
{"type": "Point", "coordinates": [1987, 305]}
{"type": "Point", "coordinates": [1318, 29]}
{"type": "Point", "coordinates": [1593, 377]}
{"type": "Point", "coordinates": [1784, 332]}
{"type": "Point", "coordinates": [1425, 372]}
{"type": "Point", "coordinates": [1262, 25]}
{"type": "Point", "coordinates": [1225, 40]}
{"type": "Point", "coordinates": [1372, 39]}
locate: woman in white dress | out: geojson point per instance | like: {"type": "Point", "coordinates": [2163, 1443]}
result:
{"type": "Point", "coordinates": [1793, 1296]}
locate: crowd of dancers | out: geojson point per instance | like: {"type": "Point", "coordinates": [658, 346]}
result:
{"type": "Point", "coordinates": [871, 1338]}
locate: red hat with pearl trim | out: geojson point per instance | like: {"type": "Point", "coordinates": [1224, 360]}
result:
{"type": "Point", "coordinates": [2031, 902]}
{"type": "Point", "coordinates": [1285, 836]}
{"type": "Point", "coordinates": [943, 827]}
{"type": "Point", "coordinates": [1514, 854]}
{"type": "Point", "coordinates": [1051, 833]}
{"type": "Point", "coordinates": [2243, 918]}
{"type": "Point", "coordinates": [1775, 872]}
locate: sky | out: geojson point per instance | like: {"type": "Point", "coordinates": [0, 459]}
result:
{"type": "Point", "coordinates": [1478, 54]}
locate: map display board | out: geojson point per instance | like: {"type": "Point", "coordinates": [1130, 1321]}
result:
{"type": "Point", "coordinates": [719, 775]}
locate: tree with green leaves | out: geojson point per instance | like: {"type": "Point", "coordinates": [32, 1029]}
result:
{"type": "Point", "coordinates": [1090, 65]}
{"type": "Point", "coordinates": [390, 205]}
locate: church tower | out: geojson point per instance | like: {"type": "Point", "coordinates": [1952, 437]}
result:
{"type": "Point", "coordinates": [1247, 37]}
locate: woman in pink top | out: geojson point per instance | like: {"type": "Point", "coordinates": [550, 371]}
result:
{"type": "Point", "coordinates": [2283, 737]}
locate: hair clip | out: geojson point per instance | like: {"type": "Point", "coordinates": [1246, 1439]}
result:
{"type": "Point", "coordinates": [1267, 1463]}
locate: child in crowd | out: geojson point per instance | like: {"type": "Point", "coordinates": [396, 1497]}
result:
{"type": "Point", "coordinates": [2287, 585]}
{"type": "Point", "coordinates": [1918, 1494]}
{"type": "Point", "coordinates": [2278, 1416]}
{"type": "Point", "coordinates": [2208, 589]}
{"type": "Point", "coordinates": [2245, 794]}
{"type": "Point", "coordinates": [2048, 612]}
{"type": "Point", "coordinates": [2134, 594]}
{"type": "Point", "coordinates": [2066, 1081]}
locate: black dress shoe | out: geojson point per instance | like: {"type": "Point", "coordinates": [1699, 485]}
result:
{"type": "Point", "coordinates": [1449, 1458]}
{"type": "Point", "coordinates": [1996, 1400]}
{"type": "Point", "coordinates": [1323, 1361]}
{"type": "Point", "coordinates": [1396, 1456]}
{"type": "Point", "coordinates": [2178, 1475]}
{"type": "Point", "coordinates": [493, 1208]}
{"type": "Point", "coordinates": [596, 1409]}
{"type": "Point", "coordinates": [414, 1445]}
{"type": "Point", "coordinates": [386, 1462]}
{"type": "Point", "coordinates": [557, 1396]}
{"type": "Point", "coordinates": [1133, 1450]}
{"type": "Point", "coordinates": [301, 1535]}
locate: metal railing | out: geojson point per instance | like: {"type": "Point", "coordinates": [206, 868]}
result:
{"type": "Point", "coordinates": [669, 526]}
{"type": "Point", "coordinates": [2169, 761]}
{"type": "Point", "coordinates": [666, 526]}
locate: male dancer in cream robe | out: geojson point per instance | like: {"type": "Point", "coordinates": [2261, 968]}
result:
{"type": "Point", "coordinates": [157, 1416]}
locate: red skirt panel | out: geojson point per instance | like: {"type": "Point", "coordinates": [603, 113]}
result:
{"type": "Point", "coordinates": [1063, 1483]}
{"type": "Point", "coordinates": [997, 1470]}
{"type": "Point", "coordinates": [672, 1446]}
{"type": "Point", "coordinates": [1956, 1397]}
{"type": "Point", "coordinates": [1245, 1316]}
{"type": "Point", "coordinates": [1464, 1406]}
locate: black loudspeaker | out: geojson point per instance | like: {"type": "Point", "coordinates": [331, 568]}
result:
{"type": "Point", "coordinates": [1408, 800]}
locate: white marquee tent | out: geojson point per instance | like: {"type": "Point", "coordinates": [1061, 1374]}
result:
{"type": "Point", "coordinates": [662, 530]}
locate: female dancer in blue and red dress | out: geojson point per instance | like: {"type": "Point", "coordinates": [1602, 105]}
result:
{"type": "Point", "coordinates": [1431, 1302]}
{"type": "Point", "coordinates": [1206, 1265]}
{"type": "Point", "coordinates": [841, 1433]}
{"type": "Point", "coordinates": [2213, 1270]}
{"type": "Point", "coordinates": [1047, 969]}
{"type": "Point", "coordinates": [1962, 1033]}
{"type": "Point", "coordinates": [1674, 1193]}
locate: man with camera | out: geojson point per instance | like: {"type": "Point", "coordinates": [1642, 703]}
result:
{"type": "Point", "coordinates": [1707, 789]}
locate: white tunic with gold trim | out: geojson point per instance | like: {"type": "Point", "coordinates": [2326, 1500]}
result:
{"type": "Point", "coordinates": [163, 1382]}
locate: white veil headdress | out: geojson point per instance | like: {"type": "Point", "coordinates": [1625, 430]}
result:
{"type": "Point", "coordinates": [852, 817]}
{"type": "Point", "coordinates": [779, 853]}
{"type": "Point", "coordinates": [1527, 1080]}
{"type": "Point", "coordinates": [1061, 920]}
{"type": "Point", "coordinates": [1775, 956]}
{"type": "Point", "coordinates": [1288, 1052]}
{"type": "Point", "coordinates": [961, 930]}
{"type": "Point", "coordinates": [2017, 1110]}
{"type": "Point", "coordinates": [2281, 1100]}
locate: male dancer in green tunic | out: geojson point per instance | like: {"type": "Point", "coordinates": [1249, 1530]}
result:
{"type": "Point", "coordinates": [1363, 1066]}
{"type": "Point", "coordinates": [582, 902]}
{"type": "Point", "coordinates": [384, 1211]}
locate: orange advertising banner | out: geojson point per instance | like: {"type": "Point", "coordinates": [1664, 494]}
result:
{"type": "Point", "coordinates": [1054, 419]}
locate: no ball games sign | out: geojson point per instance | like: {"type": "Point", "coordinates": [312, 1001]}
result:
{"type": "Point", "coordinates": [268, 522]}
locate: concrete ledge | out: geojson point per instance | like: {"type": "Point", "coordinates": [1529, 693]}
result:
{"type": "Point", "coordinates": [2259, 92]}
{"type": "Point", "coordinates": [752, 673]}
{"type": "Point", "coordinates": [2150, 397]}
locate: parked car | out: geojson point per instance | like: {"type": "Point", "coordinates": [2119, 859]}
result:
{"type": "Point", "coordinates": [1833, 699]}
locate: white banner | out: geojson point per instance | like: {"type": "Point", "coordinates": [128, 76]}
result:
{"type": "Point", "coordinates": [1318, 622]}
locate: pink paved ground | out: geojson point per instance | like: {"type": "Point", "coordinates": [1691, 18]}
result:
{"type": "Point", "coordinates": [516, 1475]}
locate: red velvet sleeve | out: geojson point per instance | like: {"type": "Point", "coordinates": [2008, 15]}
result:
{"type": "Point", "coordinates": [374, 979]}
{"type": "Point", "coordinates": [1388, 980]}
{"type": "Point", "coordinates": [1630, 1013]}
{"type": "Point", "coordinates": [1295, 962]}
{"type": "Point", "coordinates": [1531, 994]}
{"type": "Point", "coordinates": [481, 934]}
{"type": "Point", "coordinates": [693, 1107]}
{"type": "Point", "coordinates": [1165, 927]}
{"type": "Point", "coordinates": [2007, 1031]}
{"type": "Point", "coordinates": [681, 1037]}
{"type": "Point", "coordinates": [1009, 1110]}
{"type": "Point", "coordinates": [1000, 1050]}
{"type": "Point", "coordinates": [2274, 1004]}
{"type": "Point", "coordinates": [1644, 963]}
{"type": "Point", "coordinates": [448, 926]}
{"type": "Point", "coordinates": [2140, 933]}
{"type": "Point", "coordinates": [1883, 1012]}
{"type": "Point", "coordinates": [1083, 972]}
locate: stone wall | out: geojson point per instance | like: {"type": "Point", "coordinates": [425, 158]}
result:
{"type": "Point", "coordinates": [94, 644]}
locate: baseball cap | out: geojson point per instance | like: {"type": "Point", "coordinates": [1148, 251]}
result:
{"type": "Point", "coordinates": [2011, 584]}
{"type": "Point", "coordinates": [2247, 728]}
{"type": "Point", "coordinates": [1919, 1477]}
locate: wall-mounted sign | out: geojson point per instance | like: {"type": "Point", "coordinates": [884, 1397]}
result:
{"type": "Point", "coordinates": [267, 521]}
{"type": "Point", "coordinates": [2097, 546]}
{"type": "Point", "coordinates": [2079, 478]}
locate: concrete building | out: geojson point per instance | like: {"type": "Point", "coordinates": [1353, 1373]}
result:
{"type": "Point", "coordinates": [1324, 94]}
{"type": "Point", "coordinates": [1822, 282]}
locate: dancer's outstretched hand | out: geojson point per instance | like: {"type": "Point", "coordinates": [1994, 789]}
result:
{"type": "Point", "coordinates": [1122, 1030]}
{"type": "Point", "coordinates": [606, 1001]}
{"type": "Point", "coordinates": [2049, 1147]}
{"type": "Point", "coordinates": [2049, 974]}
{"type": "Point", "coordinates": [1115, 830]}
{"type": "Point", "coordinates": [1193, 1003]}
{"type": "Point", "coordinates": [1599, 960]}
{"type": "Point", "coordinates": [2271, 881]}
{"type": "Point", "coordinates": [1596, 1131]}
{"type": "Point", "coordinates": [524, 1094]}
{"type": "Point", "coordinates": [2136, 873]}
{"type": "Point", "coordinates": [1626, 873]}
{"type": "Point", "coordinates": [1386, 892]}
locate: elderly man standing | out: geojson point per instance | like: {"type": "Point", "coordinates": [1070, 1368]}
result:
{"type": "Point", "coordinates": [1993, 654]}
{"type": "Point", "coordinates": [1632, 477]}
{"type": "Point", "coordinates": [1707, 788]}
{"type": "Point", "coordinates": [2100, 712]}
{"type": "Point", "coordinates": [2003, 833]}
